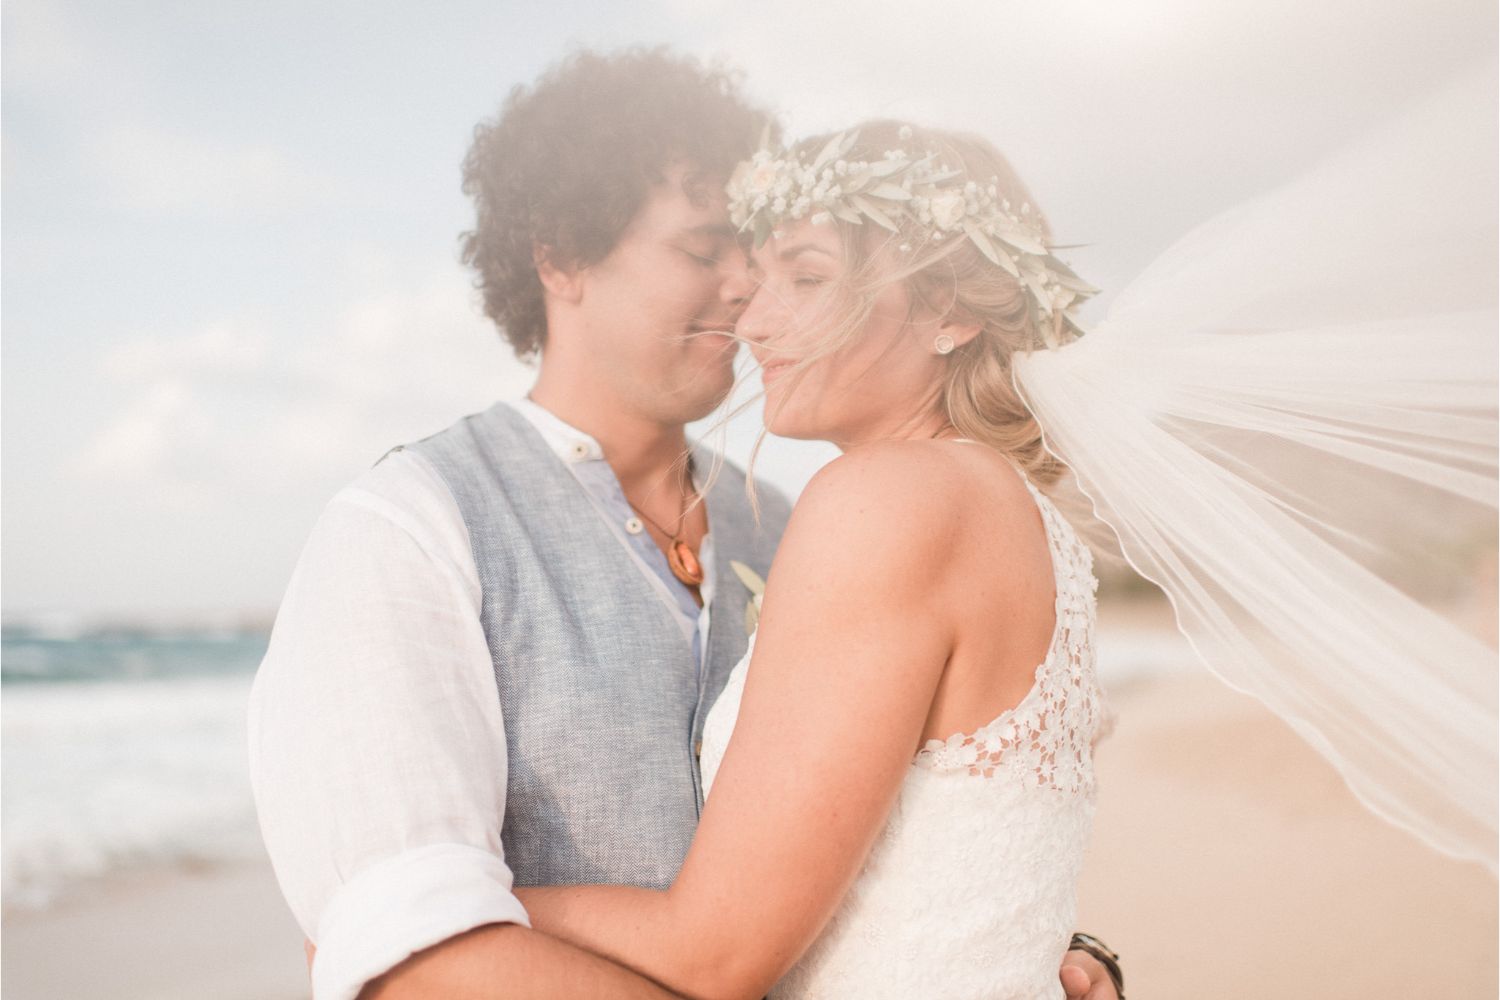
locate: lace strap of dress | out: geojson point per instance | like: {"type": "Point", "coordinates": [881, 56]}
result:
{"type": "Point", "coordinates": [1046, 740]}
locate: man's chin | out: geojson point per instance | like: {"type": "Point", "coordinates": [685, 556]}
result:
{"type": "Point", "coordinates": [702, 407]}
{"type": "Point", "coordinates": [705, 391]}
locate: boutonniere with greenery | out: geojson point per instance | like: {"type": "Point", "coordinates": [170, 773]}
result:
{"type": "Point", "coordinates": [756, 586]}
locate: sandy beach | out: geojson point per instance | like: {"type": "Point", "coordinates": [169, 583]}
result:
{"type": "Point", "coordinates": [1228, 861]}
{"type": "Point", "coordinates": [171, 934]}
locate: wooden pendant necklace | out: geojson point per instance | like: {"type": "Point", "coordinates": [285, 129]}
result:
{"type": "Point", "coordinates": [681, 558]}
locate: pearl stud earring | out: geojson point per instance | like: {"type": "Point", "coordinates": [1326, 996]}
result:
{"type": "Point", "coordinates": [943, 344]}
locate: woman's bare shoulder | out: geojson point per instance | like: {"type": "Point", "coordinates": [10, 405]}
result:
{"type": "Point", "coordinates": [921, 480]}
{"type": "Point", "coordinates": [905, 505]}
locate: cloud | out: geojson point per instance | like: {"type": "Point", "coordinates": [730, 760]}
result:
{"type": "Point", "coordinates": [221, 349]}
{"type": "Point", "coordinates": [162, 419]}
{"type": "Point", "coordinates": [154, 170]}
{"type": "Point", "coordinates": [87, 97]}
{"type": "Point", "coordinates": [54, 52]}
{"type": "Point", "coordinates": [234, 409]}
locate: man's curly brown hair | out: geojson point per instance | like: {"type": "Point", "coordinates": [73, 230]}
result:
{"type": "Point", "coordinates": [570, 160]}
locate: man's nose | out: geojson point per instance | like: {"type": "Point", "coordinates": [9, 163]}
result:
{"type": "Point", "coordinates": [738, 283]}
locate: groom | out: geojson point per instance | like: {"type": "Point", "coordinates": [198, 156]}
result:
{"type": "Point", "coordinates": [495, 657]}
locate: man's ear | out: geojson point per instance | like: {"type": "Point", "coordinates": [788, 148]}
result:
{"type": "Point", "coordinates": [563, 283]}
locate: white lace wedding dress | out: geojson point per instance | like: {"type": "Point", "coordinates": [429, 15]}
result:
{"type": "Point", "coordinates": [970, 889]}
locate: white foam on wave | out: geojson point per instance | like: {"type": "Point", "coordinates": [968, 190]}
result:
{"type": "Point", "coordinates": [112, 775]}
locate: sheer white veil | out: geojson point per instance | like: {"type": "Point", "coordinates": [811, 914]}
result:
{"type": "Point", "coordinates": [1290, 402]}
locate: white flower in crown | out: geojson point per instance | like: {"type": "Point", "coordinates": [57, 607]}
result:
{"type": "Point", "coordinates": [762, 176]}
{"type": "Point", "coordinates": [947, 209]}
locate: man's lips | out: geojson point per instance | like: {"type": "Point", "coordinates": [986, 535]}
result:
{"type": "Point", "coordinates": [708, 331]}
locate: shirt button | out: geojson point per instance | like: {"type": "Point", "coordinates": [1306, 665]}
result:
{"type": "Point", "coordinates": [580, 450]}
{"type": "Point", "coordinates": [634, 526]}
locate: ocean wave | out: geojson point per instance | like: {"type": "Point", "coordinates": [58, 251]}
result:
{"type": "Point", "coordinates": [28, 656]}
{"type": "Point", "coordinates": [106, 776]}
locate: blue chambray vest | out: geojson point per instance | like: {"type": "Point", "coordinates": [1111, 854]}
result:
{"type": "Point", "coordinates": [601, 697]}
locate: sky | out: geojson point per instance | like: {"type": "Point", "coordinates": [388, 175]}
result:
{"type": "Point", "coordinates": [230, 270]}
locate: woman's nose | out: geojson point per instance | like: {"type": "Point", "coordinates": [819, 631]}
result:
{"type": "Point", "coordinates": [758, 322]}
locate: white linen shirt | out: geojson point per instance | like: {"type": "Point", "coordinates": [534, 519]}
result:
{"type": "Point", "coordinates": [377, 744]}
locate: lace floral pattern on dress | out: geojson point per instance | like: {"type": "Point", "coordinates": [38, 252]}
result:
{"type": "Point", "coordinates": [1046, 740]}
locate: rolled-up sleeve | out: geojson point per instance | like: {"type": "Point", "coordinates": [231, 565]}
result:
{"type": "Point", "coordinates": [377, 746]}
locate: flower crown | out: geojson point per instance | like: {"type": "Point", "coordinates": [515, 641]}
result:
{"type": "Point", "coordinates": [769, 188]}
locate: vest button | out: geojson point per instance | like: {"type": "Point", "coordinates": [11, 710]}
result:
{"type": "Point", "coordinates": [698, 749]}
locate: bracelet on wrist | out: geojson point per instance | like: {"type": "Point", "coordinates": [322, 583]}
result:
{"type": "Point", "coordinates": [1107, 958]}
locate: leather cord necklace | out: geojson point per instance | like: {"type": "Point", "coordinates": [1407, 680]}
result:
{"type": "Point", "coordinates": [681, 558]}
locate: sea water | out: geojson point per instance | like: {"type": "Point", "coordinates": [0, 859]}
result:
{"type": "Point", "coordinates": [122, 750]}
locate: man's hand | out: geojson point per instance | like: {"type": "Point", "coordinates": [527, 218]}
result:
{"type": "Point", "coordinates": [1085, 978]}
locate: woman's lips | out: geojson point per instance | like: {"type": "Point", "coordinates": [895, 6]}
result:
{"type": "Point", "coordinates": [772, 370]}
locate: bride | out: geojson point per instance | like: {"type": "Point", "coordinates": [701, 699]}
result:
{"type": "Point", "coordinates": [903, 805]}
